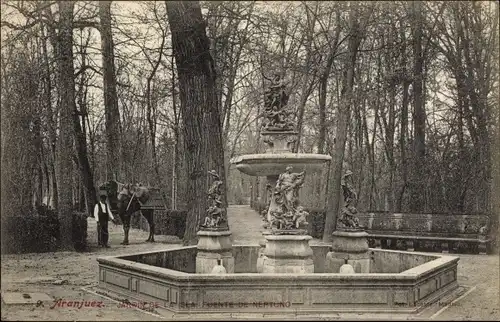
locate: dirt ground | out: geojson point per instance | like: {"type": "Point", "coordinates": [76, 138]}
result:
{"type": "Point", "coordinates": [62, 275]}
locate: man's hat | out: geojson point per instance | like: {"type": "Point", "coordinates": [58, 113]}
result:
{"type": "Point", "coordinates": [103, 193]}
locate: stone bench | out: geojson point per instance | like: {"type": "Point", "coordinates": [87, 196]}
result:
{"type": "Point", "coordinates": [463, 233]}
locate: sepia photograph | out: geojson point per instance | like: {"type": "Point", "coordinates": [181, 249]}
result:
{"type": "Point", "coordinates": [250, 160]}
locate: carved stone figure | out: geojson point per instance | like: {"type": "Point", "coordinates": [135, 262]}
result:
{"type": "Point", "coordinates": [215, 193]}
{"type": "Point", "coordinates": [300, 217]}
{"type": "Point", "coordinates": [348, 218]}
{"type": "Point", "coordinates": [284, 209]}
{"type": "Point", "coordinates": [216, 218]}
{"type": "Point", "coordinates": [289, 183]}
{"type": "Point", "coordinates": [265, 211]}
{"type": "Point", "coordinates": [276, 115]}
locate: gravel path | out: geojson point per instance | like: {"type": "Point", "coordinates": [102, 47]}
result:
{"type": "Point", "coordinates": [63, 274]}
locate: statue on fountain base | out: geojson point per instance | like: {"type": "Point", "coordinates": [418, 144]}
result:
{"type": "Point", "coordinates": [277, 117]}
{"type": "Point", "coordinates": [286, 216]}
{"type": "Point", "coordinates": [348, 221]}
{"type": "Point", "coordinates": [216, 219]}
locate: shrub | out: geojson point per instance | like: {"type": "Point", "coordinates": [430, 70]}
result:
{"type": "Point", "coordinates": [316, 220]}
{"type": "Point", "coordinates": [80, 231]}
{"type": "Point", "coordinates": [38, 231]}
{"type": "Point", "coordinates": [170, 223]}
{"type": "Point", "coordinates": [167, 222]}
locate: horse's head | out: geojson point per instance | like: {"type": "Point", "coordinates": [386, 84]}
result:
{"type": "Point", "coordinates": [130, 198]}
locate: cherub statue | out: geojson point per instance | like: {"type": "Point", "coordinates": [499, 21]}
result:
{"type": "Point", "coordinates": [347, 189]}
{"type": "Point", "coordinates": [215, 193]}
{"type": "Point", "coordinates": [348, 213]}
{"type": "Point", "coordinates": [300, 217]}
{"type": "Point", "coordinates": [215, 212]}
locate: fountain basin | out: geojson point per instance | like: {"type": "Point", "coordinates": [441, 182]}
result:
{"type": "Point", "coordinates": [398, 283]}
{"type": "Point", "coordinates": [270, 164]}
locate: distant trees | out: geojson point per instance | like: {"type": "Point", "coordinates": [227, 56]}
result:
{"type": "Point", "coordinates": [19, 130]}
{"type": "Point", "coordinates": [403, 93]}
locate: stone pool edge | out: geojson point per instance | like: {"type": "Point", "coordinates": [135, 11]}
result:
{"type": "Point", "coordinates": [409, 291]}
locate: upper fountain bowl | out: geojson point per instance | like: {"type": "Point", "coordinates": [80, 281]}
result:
{"type": "Point", "coordinates": [269, 164]}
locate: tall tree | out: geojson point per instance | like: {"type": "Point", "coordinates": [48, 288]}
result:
{"type": "Point", "coordinates": [199, 109]}
{"type": "Point", "coordinates": [334, 200]}
{"type": "Point", "coordinates": [417, 200]}
{"type": "Point", "coordinates": [65, 141]}
{"type": "Point", "coordinates": [151, 106]}
{"type": "Point", "coordinates": [110, 96]}
{"type": "Point", "coordinates": [19, 110]}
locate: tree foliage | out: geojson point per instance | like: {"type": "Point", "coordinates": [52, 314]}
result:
{"type": "Point", "coordinates": [404, 94]}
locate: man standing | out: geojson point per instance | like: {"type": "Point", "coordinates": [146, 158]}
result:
{"type": "Point", "coordinates": [102, 215]}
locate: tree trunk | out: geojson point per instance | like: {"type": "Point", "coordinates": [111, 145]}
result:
{"type": "Point", "coordinates": [322, 113]}
{"type": "Point", "coordinates": [51, 114]}
{"type": "Point", "coordinates": [334, 199]}
{"type": "Point", "coordinates": [152, 125]}
{"type": "Point", "coordinates": [306, 92]}
{"type": "Point", "coordinates": [404, 123]}
{"type": "Point", "coordinates": [495, 190]}
{"type": "Point", "coordinates": [65, 141]}
{"type": "Point", "coordinates": [86, 174]}
{"type": "Point", "coordinates": [199, 110]}
{"type": "Point", "coordinates": [417, 200]}
{"type": "Point", "coordinates": [390, 130]}
{"type": "Point", "coordinates": [323, 83]}
{"type": "Point", "coordinates": [110, 97]}
{"type": "Point", "coordinates": [402, 146]}
{"type": "Point", "coordinates": [176, 167]}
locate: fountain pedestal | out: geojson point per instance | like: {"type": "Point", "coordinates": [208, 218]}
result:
{"type": "Point", "coordinates": [288, 254]}
{"type": "Point", "coordinates": [212, 246]}
{"type": "Point", "coordinates": [279, 141]}
{"type": "Point", "coordinates": [350, 246]}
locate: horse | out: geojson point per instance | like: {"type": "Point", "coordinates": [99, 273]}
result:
{"type": "Point", "coordinates": [128, 201]}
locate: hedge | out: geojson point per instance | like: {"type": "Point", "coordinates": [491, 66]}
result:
{"type": "Point", "coordinates": [173, 222]}
{"type": "Point", "coordinates": [80, 231]}
{"type": "Point", "coordinates": [170, 222]}
{"type": "Point", "coordinates": [38, 231]}
{"type": "Point", "coordinates": [316, 220]}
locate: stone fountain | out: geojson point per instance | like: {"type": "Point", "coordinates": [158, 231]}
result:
{"type": "Point", "coordinates": [287, 248]}
{"type": "Point", "coordinates": [280, 136]}
{"type": "Point", "coordinates": [285, 276]}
